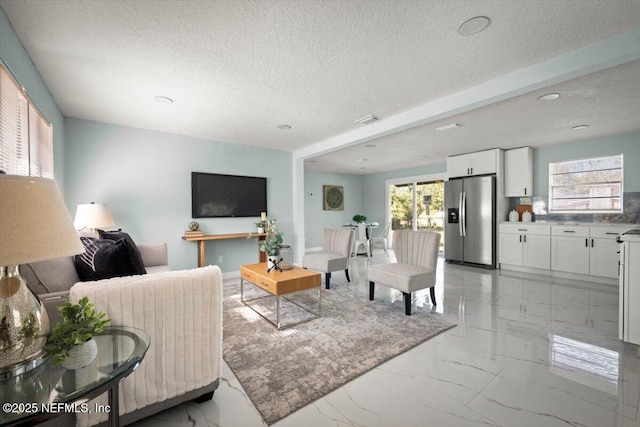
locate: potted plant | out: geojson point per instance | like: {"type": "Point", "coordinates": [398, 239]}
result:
{"type": "Point", "coordinates": [71, 342]}
{"type": "Point", "coordinates": [261, 226]}
{"type": "Point", "coordinates": [271, 244]}
{"type": "Point", "coordinates": [359, 218]}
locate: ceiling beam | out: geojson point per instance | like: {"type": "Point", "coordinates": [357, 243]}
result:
{"type": "Point", "coordinates": [606, 53]}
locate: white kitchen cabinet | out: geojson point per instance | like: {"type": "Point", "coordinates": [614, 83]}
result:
{"type": "Point", "coordinates": [537, 251]}
{"type": "Point", "coordinates": [510, 248]}
{"type": "Point", "coordinates": [629, 311]}
{"type": "Point", "coordinates": [458, 165]}
{"type": "Point", "coordinates": [479, 163]}
{"type": "Point", "coordinates": [525, 245]}
{"type": "Point", "coordinates": [579, 249]}
{"type": "Point", "coordinates": [570, 249]}
{"type": "Point", "coordinates": [603, 251]}
{"type": "Point", "coordinates": [518, 172]}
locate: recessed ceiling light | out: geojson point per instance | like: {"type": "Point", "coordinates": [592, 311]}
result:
{"type": "Point", "coordinates": [474, 25]}
{"type": "Point", "coordinates": [370, 145]}
{"type": "Point", "coordinates": [580, 127]}
{"type": "Point", "coordinates": [362, 160]}
{"type": "Point", "coordinates": [549, 97]}
{"type": "Point", "coordinates": [367, 120]}
{"type": "Point", "coordinates": [163, 100]}
{"type": "Point", "coordinates": [284, 127]}
{"type": "Point", "coordinates": [422, 157]}
{"type": "Point", "coordinates": [362, 168]}
{"type": "Point", "coordinates": [449, 127]}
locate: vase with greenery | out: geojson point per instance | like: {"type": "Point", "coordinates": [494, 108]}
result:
{"type": "Point", "coordinates": [359, 218]}
{"type": "Point", "coordinates": [71, 342]}
{"type": "Point", "coordinates": [271, 244]}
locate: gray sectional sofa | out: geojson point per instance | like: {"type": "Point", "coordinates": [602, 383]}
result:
{"type": "Point", "coordinates": [51, 280]}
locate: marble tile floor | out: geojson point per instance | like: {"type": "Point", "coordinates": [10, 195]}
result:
{"type": "Point", "coordinates": [528, 351]}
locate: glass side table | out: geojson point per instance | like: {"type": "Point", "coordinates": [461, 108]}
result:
{"type": "Point", "coordinates": [49, 391]}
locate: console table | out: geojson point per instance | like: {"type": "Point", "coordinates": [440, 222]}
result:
{"type": "Point", "coordinates": [202, 239]}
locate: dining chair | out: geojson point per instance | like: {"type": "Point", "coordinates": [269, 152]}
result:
{"type": "Point", "coordinates": [361, 240]}
{"type": "Point", "coordinates": [381, 239]}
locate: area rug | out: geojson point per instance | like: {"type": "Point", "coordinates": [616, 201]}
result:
{"type": "Point", "coordinates": [284, 370]}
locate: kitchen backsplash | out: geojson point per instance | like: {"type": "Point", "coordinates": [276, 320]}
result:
{"type": "Point", "coordinates": [631, 210]}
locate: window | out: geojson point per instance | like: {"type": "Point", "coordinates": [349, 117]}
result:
{"type": "Point", "coordinates": [586, 186]}
{"type": "Point", "coordinates": [26, 138]}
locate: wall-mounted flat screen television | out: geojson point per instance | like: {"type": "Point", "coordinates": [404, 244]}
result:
{"type": "Point", "coordinates": [215, 195]}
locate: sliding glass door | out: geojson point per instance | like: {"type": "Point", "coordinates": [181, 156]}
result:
{"type": "Point", "coordinates": [402, 208]}
{"type": "Point", "coordinates": [430, 206]}
{"type": "Point", "coordinates": [417, 203]}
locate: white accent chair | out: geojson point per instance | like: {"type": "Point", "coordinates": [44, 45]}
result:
{"type": "Point", "coordinates": [381, 239]}
{"type": "Point", "coordinates": [361, 240]}
{"type": "Point", "coordinates": [417, 255]}
{"type": "Point", "coordinates": [336, 250]}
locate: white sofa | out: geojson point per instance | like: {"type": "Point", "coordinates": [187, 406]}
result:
{"type": "Point", "coordinates": [182, 313]}
{"type": "Point", "coordinates": [180, 310]}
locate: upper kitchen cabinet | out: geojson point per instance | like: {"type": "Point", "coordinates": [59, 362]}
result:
{"type": "Point", "coordinates": [518, 172]}
{"type": "Point", "coordinates": [479, 163]}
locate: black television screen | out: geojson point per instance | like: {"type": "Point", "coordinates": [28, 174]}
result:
{"type": "Point", "coordinates": [215, 195]}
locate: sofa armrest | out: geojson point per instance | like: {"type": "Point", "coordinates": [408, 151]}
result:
{"type": "Point", "coordinates": [182, 313]}
{"type": "Point", "coordinates": [153, 254]}
{"type": "Point", "coordinates": [51, 303]}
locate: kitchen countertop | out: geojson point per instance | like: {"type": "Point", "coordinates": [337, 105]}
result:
{"type": "Point", "coordinates": [577, 224]}
{"type": "Point", "coordinates": [631, 237]}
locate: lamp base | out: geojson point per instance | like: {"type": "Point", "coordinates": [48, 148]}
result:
{"type": "Point", "coordinates": [24, 325]}
{"type": "Point", "coordinates": [13, 371]}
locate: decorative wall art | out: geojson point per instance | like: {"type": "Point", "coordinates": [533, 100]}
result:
{"type": "Point", "coordinates": [333, 198]}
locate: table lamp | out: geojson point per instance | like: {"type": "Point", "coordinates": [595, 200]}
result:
{"type": "Point", "coordinates": [93, 215]}
{"type": "Point", "coordinates": [34, 226]}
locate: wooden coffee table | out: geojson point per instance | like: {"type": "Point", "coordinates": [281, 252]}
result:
{"type": "Point", "coordinates": [278, 284]}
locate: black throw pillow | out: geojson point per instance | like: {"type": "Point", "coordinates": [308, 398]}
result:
{"type": "Point", "coordinates": [117, 235]}
{"type": "Point", "coordinates": [104, 259]}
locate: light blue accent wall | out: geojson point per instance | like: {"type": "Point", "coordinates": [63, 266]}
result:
{"type": "Point", "coordinates": [145, 178]}
{"type": "Point", "coordinates": [374, 188]}
{"type": "Point", "coordinates": [316, 218]}
{"type": "Point", "coordinates": [16, 59]}
{"type": "Point", "coordinates": [628, 145]}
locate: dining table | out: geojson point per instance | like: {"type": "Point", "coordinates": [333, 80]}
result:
{"type": "Point", "coordinates": [369, 226]}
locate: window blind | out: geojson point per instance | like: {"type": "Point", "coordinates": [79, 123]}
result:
{"type": "Point", "coordinates": [26, 138]}
{"type": "Point", "coordinates": [586, 186]}
{"type": "Point", "coordinates": [40, 145]}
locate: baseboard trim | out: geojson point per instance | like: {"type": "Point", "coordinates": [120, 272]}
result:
{"type": "Point", "coordinates": [561, 274]}
{"type": "Point", "coordinates": [231, 274]}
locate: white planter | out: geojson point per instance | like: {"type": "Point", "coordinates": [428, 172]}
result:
{"type": "Point", "coordinates": [260, 229]}
{"type": "Point", "coordinates": [271, 260]}
{"type": "Point", "coordinates": [81, 355]}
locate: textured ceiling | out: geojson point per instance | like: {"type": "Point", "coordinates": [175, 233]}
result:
{"type": "Point", "coordinates": [607, 101]}
{"type": "Point", "coordinates": [238, 69]}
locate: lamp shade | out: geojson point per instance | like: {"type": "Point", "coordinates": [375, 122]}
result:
{"type": "Point", "coordinates": [93, 215]}
{"type": "Point", "coordinates": [34, 222]}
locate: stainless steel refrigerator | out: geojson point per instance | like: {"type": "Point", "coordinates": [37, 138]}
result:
{"type": "Point", "coordinates": [470, 224]}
